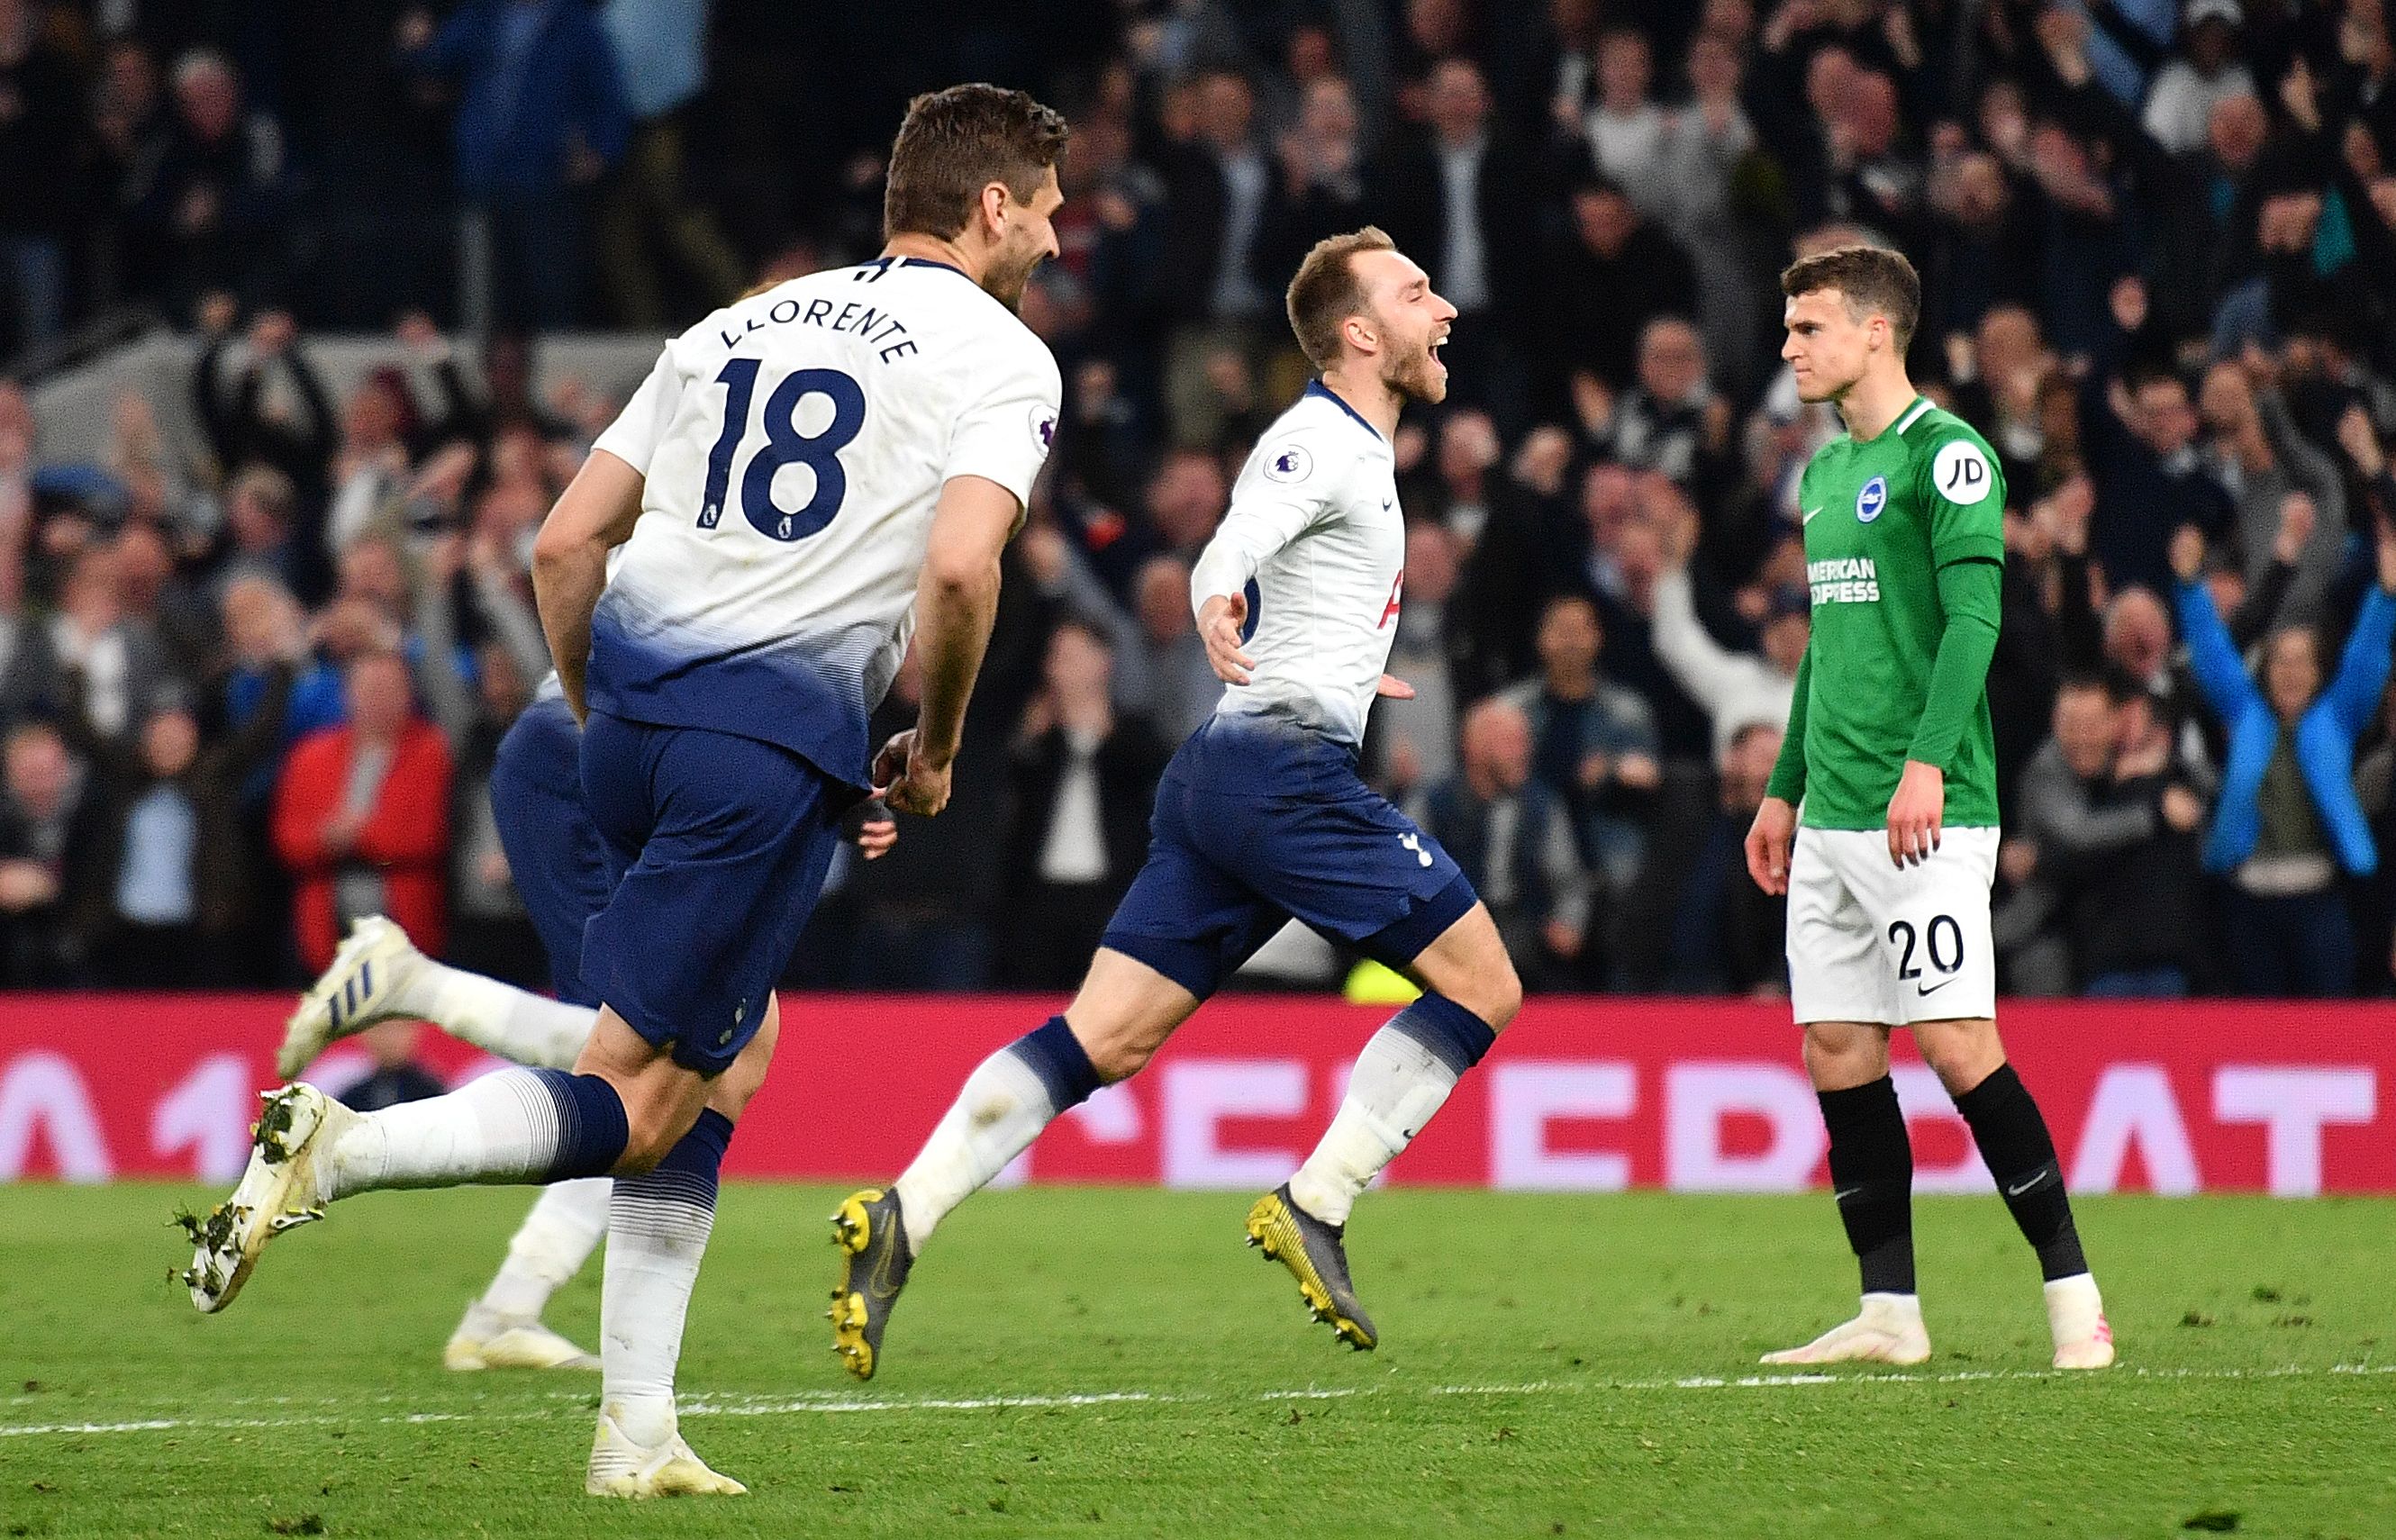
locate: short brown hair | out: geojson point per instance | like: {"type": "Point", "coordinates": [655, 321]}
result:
{"type": "Point", "coordinates": [955, 142]}
{"type": "Point", "coordinates": [1327, 291]}
{"type": "Point", "coordinates": [1872, 278]}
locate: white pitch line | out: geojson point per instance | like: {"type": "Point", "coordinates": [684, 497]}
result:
{"type": "Point", "coordinates": [835, 1403]}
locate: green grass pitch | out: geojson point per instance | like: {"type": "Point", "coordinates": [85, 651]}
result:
{"type": "Point", "coordinates": [1103, 1362]}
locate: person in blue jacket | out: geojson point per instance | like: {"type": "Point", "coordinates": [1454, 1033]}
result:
{"type": "Point", "coordinates": [542, 115]}
{"type": "Point", "coordinates": [2288, 823]}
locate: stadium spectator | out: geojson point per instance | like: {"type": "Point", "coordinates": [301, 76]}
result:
{"type": "Point", "coordinates": [2098, 854]}
{"type": "Point", "coordinates": [1221, 191]}
{"type": "Point", "coordinates": [1512, 835]}
{"type": "Point", "coordinates": [2252, 449]}
{"type": "Point", "coordinates": [1736, 689]}
{"type": "Point", "coordinates": [1416, 740]}
{"type": "Point", "coordinates": [1593, 741]}
{"type": "Point", "coordinates": [38, 130]}
{"type": "Point", "coordinates": [1080, 777]}
{"type": "Point", "coordinates": [1608, 276]}
{"type": "Point", "coordinates": [1462, 200]}
{"type": "Point", "coordinates": [209, 213]}
{"type": "Point", "coordinates": [2288, 824]}
{"type": "Point", "coordinates": [118, 664]}
{"type": "Point", "coordinates": [362, 816]}
{"type": "Point", "coordinates": [1726, 933]}
{"type": "Point", "coordinates": [161, 883]}
{"type": "Point", "coordinates": [42, 794]}
{"type": "Point", "coordinates": [661, 47]}
{"type": "Point", "coordinates": [541, 116]}
{"type": "Point", "coordinates": [2203, 74]}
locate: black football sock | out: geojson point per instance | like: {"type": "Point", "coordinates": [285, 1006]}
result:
{"type": "Point", "coordinates": [1871, 1170]}
{"type": "Point", "coordinates": [2013, 1141]}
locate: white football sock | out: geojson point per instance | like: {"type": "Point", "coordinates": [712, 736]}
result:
{"type": "Point", "coordinates": [1002, 1109]}
{"type": "Point", "coordinates": [509, 1126]}
{"type": "Point", "coordinates": [517, 1025]}
{"type": "Point", "coordinates": [550, 1247]}
{"type": "Point", "coordinates": [657, 1226]}
{"type": "Point", "coordinates": [1397, 1085]}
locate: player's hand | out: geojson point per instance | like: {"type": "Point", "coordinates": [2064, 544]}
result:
{"type": "Point", "coordinates": [906, 777]}
{"type": "Point", "coordinates": [1393, 688]}
{"type": "Point", "coordinates": [1768, 840]}
{"type": "Point", "coordinates": [1218, 622]}
{"type": "Point", "coordinates": [1916, 813]}
{"type": "Point", "coordinates": [877, 833]}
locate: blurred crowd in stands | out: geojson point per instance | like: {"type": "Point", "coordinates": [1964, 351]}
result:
{"type": "Point", "coordinates": [251, 684]}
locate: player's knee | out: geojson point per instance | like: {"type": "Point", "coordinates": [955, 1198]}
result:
{"type": "Point", "coordinates": [1844, 1053]}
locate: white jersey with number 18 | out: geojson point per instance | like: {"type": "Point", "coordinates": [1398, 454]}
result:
{"type": "Point", "coordinates": [794, 445]}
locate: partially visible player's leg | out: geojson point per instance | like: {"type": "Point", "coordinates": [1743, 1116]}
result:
{"type": "Point", "coordinates": [559, 868]}
{"type": "Point", "coordinates": [1005, 1103]}
{"type": "Point", "coordinates": [1400, 1081]}
{"type": "Point", "coordinates": [377, 976]}
{"type": "Point", "coordinates": [1408, 1067]}
{"type": "Point", "coordinates": [502, 1329]}
{"type": "Point", "coordinates": [659, 1225]}
{"type": "Point", "coordinates": [514, 1125]}
{"type": "Point", "coordinates": [1122, 1015]}
{"type": "Point", "coordinates": [734, 838]}
{"type": "Point", "coordinates": [1180, 927]}
{"type": "Point", "coordinates": [2013, 1141]}
{"type": "Point", "coordinates": [1839, 989]}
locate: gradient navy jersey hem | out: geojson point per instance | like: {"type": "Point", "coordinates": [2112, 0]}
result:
{"type": "Point", "coordinates": [1259, 821]}
{"type": "Point", "coordinates": [717, 846]}
{"type": "Point", "coordinates": [808, 695]}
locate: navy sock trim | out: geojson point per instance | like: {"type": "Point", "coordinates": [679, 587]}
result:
{"type": "Point", "coordinates": [1057, 1056]}
{"type": "Point", "coordinates": [592, 1128]}
{"type": "Point", "coordinates": [690, 1170]}
{"type": "Point", "coordinates": [1454, 1036]}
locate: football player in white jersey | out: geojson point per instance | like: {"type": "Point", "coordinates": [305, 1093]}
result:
{"type": "Point", "coordinates": [805, 478]}
{"type": "Point", "coordinates": [1259, 818]}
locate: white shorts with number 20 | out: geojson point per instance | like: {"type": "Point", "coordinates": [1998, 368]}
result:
{"type": "Point", "coordinates": [1872, 941]}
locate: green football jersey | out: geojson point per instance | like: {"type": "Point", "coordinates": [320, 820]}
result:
{"type": "Point", "coordinates": [1881, 517]}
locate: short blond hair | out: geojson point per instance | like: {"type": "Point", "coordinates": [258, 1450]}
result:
{"type": "Point", "coordinates": [1327, 291]}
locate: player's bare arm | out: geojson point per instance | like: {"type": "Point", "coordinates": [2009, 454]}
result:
{"type": "Point", "coordinates": [956, 601]}
{"type": "Point", "coordinates": [594, 515]}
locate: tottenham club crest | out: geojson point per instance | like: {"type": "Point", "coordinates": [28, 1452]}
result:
{"type": "Point", "coordinates": [1871, 500]}
{"type": "Point", "coordinates": [1289, 463]}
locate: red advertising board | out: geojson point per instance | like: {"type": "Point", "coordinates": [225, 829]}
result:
{"type": "Point", "coordinates": [1585, 1095]}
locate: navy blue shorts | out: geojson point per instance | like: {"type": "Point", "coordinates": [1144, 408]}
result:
{"type": "Point", "coordinates": [1260, 822]}
{"type": "Point", "coordinates": [717, 846]}
{"type": "Point", "coordinates": [554, 854]}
